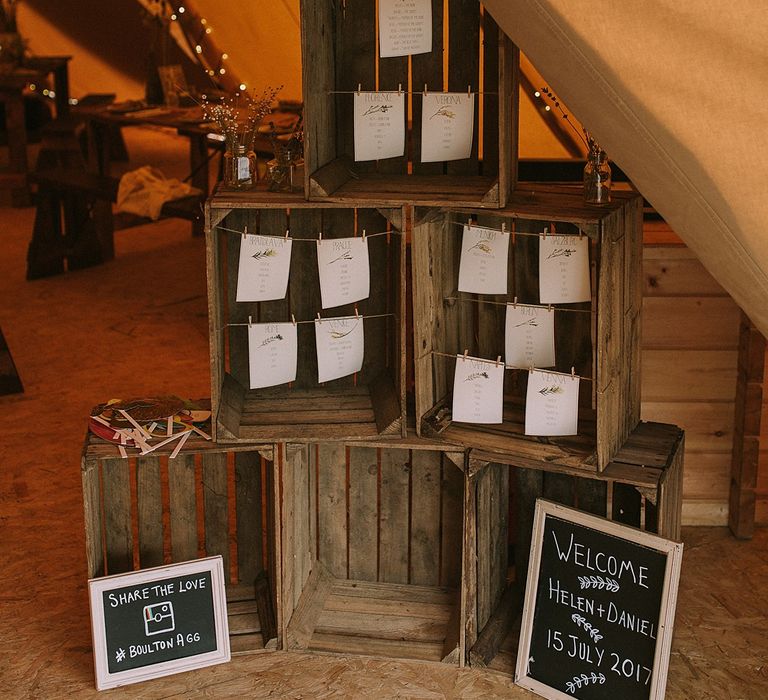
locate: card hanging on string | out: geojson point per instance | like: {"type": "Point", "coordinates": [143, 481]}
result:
{"type": "Point", "coordinates": [344, 270]}
{"type": "Point", "coordinates": [551, 404]}
{"type": "Point", "coordinates": [405, 27]}
{"type": "Point", "coordinates": [272, 354]}
{"type": "Point", "coordinates": [478, 390]}
{"type": "Point", "coordinates": [564, 269]}
{"type": "Point", "coordinates": [483, 265]}
{"type": "Point", "coordinates": [340, 347]}
{"type": "Point", "coordinates": [529, 336]}
{"type": "Point", "coordinates": [447, 124]}
{"type": "Point", "coordinates": [262, 273]}
{"type": "Point", "coordinates": [379, 125]}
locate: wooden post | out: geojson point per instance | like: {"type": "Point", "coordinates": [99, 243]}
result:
{"type": "Point", "coordinates": [746, 429]}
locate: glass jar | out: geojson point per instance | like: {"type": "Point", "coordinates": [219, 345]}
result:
{"type": "Point", "coordinates": [240, 165]}
{"type": "Point", "coordinates": [597, 177]}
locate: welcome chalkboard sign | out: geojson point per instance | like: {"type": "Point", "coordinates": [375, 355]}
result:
{"type": "Point", "coordinates": [599, 607]}
{"type": "Point", "coordinates": [158, 621]}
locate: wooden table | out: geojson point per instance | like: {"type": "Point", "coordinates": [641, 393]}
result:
{"type": "Point", "coordinates": [12, 86]}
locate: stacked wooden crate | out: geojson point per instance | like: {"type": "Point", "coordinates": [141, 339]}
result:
{"type": "Point", "coordinates": [404, 542]}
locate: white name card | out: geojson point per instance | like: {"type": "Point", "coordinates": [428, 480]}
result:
{"type": "Point", "coordinates": [447, 123]}
{"type": "Point", "coordinates": [344, 270]}
{"type": "Point", "coordinates": [529, 336]}
{"type": "Point", "coordinates": [483, 264]}
{"type": "Point", "coordinates": [551, 404]}
{"type": "Point", "coordinates": [272, 354]}
{"type": "Point", "coordinates": [405, 27]}
{"type": "Point", "coordinates": [340, 347]}
{"type": "Point", "coordinates": [262, 272]}
{"type": "Point", "coordinates": [478, 391]}
{"type": "Point", "coordinates": [379, 125]}
{"type": "Point", "coordinates": [564, 269]}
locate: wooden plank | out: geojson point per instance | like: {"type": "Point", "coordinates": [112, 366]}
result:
{"type": "Point", "coordinates": [266, 607]}
{"type": "Point", "coordinates": [452, 506]}
{"type": "Point", "coordinates": [332, 507]}
{"type": "Point", "coordinates": [393, 515]}
{"type": "Point", "coordinates": [248, 507]}
{"type": "Point", "coordinates": [118, 534]}
{"type": "Point", "coordinates": [496, 629]}
{"type": "Point", "coordinates": [746, 433]}
{"type": "Point", "coordinates": [697, 375]}
{"type": "Point", "coordinates": [708, 426]}
{"type": "Point", "coordinates": [183, 508]}
{"type": "Point", "coordinates": [676, 271]}
{"type": "Point", "coordinates": [363, 513]}
{"type": "Point", "coordinates": [216, 505]}
{"type": "Point", "coordinates": [485, 584]}
{"type": "Point", "coordinates": [338, 644]}
{"type": "Point", "coordinates": [302, 514]}
{"type": "Point", "coordinates": [695, 323]}
{"type": "Point", "coordinates": [491, 84]}
{"type": "Point", "coordinates": [291, 501]}
{"type": "Point", "coordinates": [469, 583]}
{"type": "Point", "coordinates": [304, 620]}
{"type": "Point", "coordinates": [94, 522]}
{"type": "Point", "coordinates": [528, 487]}
{"type": "Point", "coordinates": [670, 495]}
{"type": "Point", "coordinates": [425, 518]}
{"type": "Point", "coordinates": [149, 508]}
{"type": "Point", "coordinates": [393, 627]}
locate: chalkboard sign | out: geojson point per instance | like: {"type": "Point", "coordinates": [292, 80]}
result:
{"type": "Point", "coordinates": [599, 607]}
{"type": "Point", "coordinates": [158, 621]}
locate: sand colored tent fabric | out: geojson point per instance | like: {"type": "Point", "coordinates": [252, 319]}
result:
{"type": "Point", "coordinates": [676, 93]}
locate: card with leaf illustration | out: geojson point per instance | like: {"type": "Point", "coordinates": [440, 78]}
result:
{"type": "Point", "coordinates": [564, 269]}
{"type": "Point", "coordinates": [405, 27]}
{"type": "Point", "coordinates": [447, 124]}
{"type": "Point", "coordinates": [478, 391]}
{"type": "Point", "coordinates": [262, 272]}
{"type": "Point", "coordinates": [483, 263]}
{"type": "Point", "coordinates": [340, 347]}
{"type": "Point", "coordinates": [272, 354]}
{"type": "Point", "coordinates": [344, 270]}
{"type": "Point", "coordinates": [529, 336]}
{"type": "Point", "coordinates": [379, 125]}
{"type": "Point", "coordinates": [551, 404]}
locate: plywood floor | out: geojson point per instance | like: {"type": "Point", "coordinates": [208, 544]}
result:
{"type": "Point", "coordinates": [138, 326]}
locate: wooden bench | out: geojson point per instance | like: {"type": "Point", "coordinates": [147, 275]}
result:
{"type": "Point", "coordinates": [74, 220]}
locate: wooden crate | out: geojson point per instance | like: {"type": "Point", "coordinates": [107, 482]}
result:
{"type": "Point", "coordinates": [339, 45]}
{"type": "Point", "coordinates": [149, 511]}
{"type": "Point", "coordinates": [371, 549]}
{"type": "Point", "coordinates": [599, 339]}
{"type": "Point", "coordinates": [642, 487]}
{"type": "Point", "coordinates": [371, 402]}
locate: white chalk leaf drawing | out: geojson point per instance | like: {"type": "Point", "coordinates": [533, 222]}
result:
{"type": "Point", "coordinates": [600, 583]}
{"type": "Point", "coordinates": [584, 679]}
{"type": "Point", "coordinates": [582, 622]}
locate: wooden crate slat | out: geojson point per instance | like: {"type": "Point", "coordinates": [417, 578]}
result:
{"type": "Point", "coordinates": [118, 533]}
{"type": "Point", "coordinates": [425, 518]}
{"type": "Point", "coordinates": [149, 511]}
{"type": "Point", "coordinates": [363, 512]}
{"type": "Point", "coordinates": [216, 503]}
{"type": "Point", "coordinates": [452, 508]}
{"type": "Point", "coordinates": [332, 507]}
{"type": "Point", "coordinates": [393, 516]}
{"type": "Point", "coordinates": [248, 504]}
{"type": "Point", "coordinates": [183, 507]}
{"type": "Point", "coordinates": [93, 516]}
{"type": "Point", "coordinates": [335, 643]}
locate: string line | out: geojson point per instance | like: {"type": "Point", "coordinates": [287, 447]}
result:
{"type": "Point", "coordinates": [312, 320]}
{"type": "Point", "coordinates": [549, 307]}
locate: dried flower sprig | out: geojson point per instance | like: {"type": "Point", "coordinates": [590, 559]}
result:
{"type": "Point", "coordinates": [584, 136]}
{"type": "Point", "coordinates": [238, 116]}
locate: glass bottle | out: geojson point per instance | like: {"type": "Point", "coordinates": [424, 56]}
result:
{"type": "Point", "coordinates": [240, 167]}
{"type": "Point", "coordinates": [597, 177]}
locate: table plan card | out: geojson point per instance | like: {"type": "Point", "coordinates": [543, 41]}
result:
{"type": "Point", "coordinates": [478, 390]}
{"type": "Point", "coordinates": [529, 336]}
{"type": "Point", "coordinates": [447, 123]}
{"type": "Point", "coordinates": [340, 347]}
{"type": "Point", "coordinates": [551, 404]}
{"type": "Point", "coordinates": [262, 273]}
{"type": "Point", "coordinates": [564, 269]}
{"type": "Point", "coordinates": [483, 264]}
{"type": "Point", "coordinates": [379, 125]}
{"type": "Point", "coordinates": [272, 354]}
{"type": "Point", "coordinates": [344, 270]}
{"type": "Point", "coordinates": [405, 27]}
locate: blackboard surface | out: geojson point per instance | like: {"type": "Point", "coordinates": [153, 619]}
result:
{"type": "Point", "coordinates": [599, 606]}
{"type": "Point", "coordinates": [158, 621]}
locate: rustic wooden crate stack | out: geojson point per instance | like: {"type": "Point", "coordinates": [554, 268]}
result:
{"type": "Point", "coordinates": [151, 510]}
{"type": "Point", "coordinates": [408, 542]}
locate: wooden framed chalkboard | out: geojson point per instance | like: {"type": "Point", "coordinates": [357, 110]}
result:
{"type": "Point", "coordinates": [158, 621]}
{"type": "Point", "coordinates": [599, 608]}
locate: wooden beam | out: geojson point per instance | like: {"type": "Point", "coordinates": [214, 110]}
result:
{"type": "Point", "coordinates": [746, 431]}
